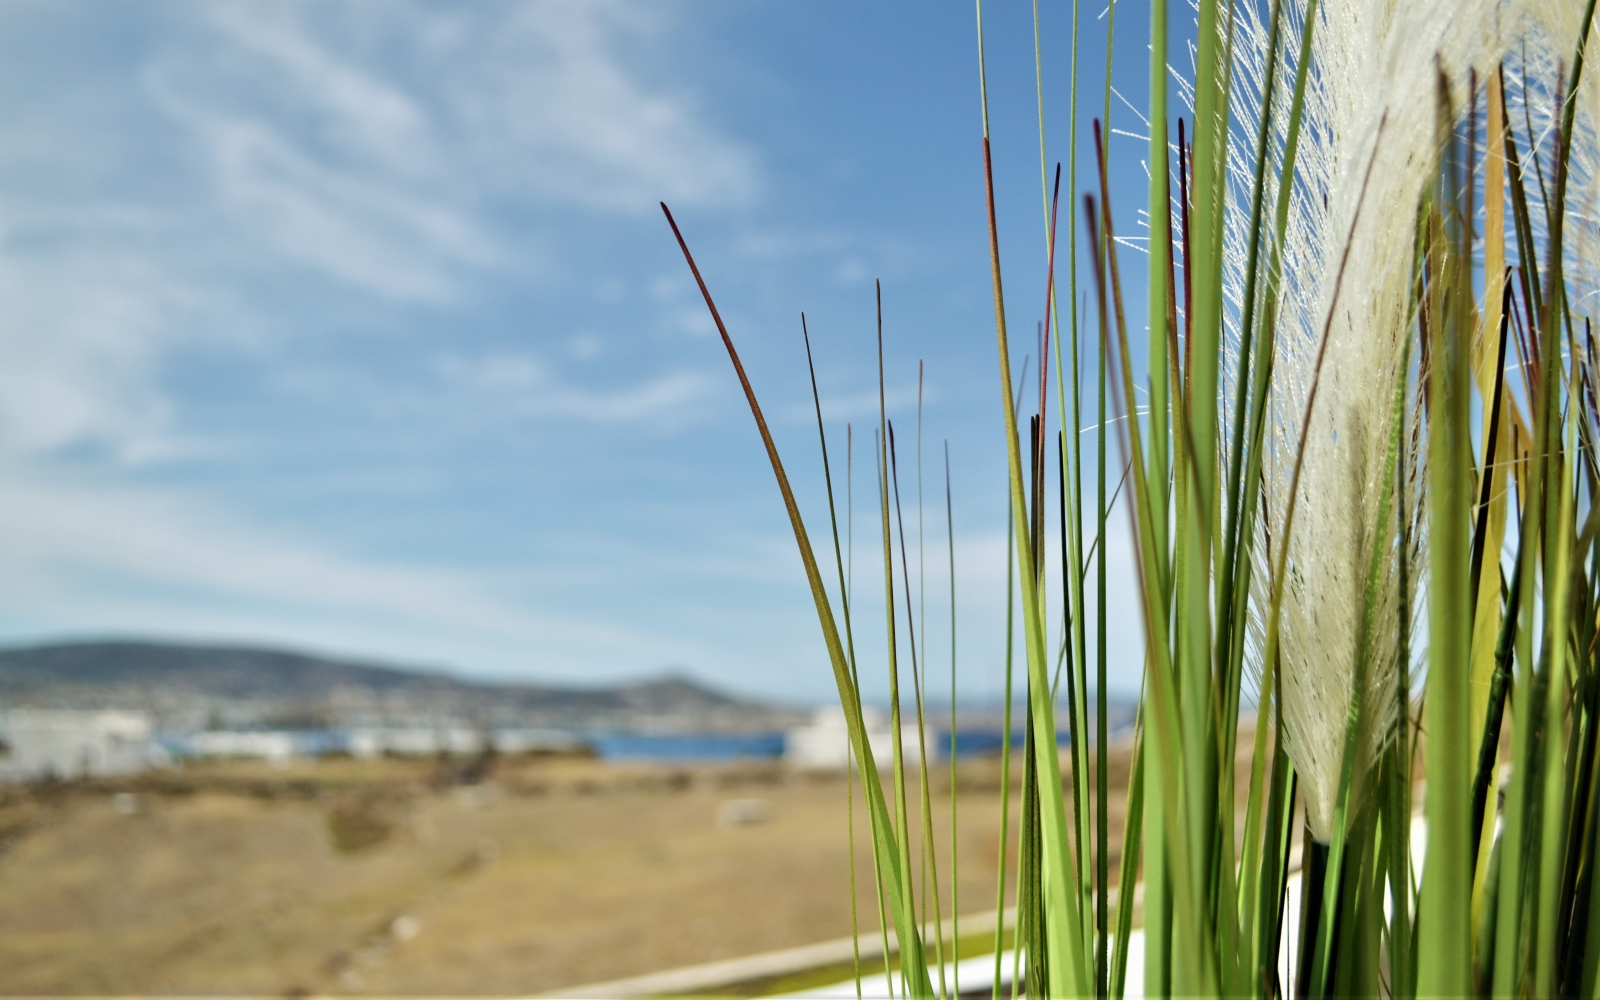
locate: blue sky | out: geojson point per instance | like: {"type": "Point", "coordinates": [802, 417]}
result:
{"type": "Point", "coordinates": [355, 327]}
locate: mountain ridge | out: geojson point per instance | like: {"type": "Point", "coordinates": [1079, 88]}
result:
{"type": "Point", "coordinates": [251, 684]}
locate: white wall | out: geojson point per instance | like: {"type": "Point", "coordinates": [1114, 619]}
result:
{"type": "Point", "coordinates": [67, 744]}
{"type": "Point", "coordinates": [414, 741]}
{"type": "Point", "coordinates": [824, 744]}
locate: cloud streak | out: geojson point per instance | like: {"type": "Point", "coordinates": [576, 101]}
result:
{"type": "Point", "coordinates": [376, 149]}
{"type": "Point", "coordinates": [523, 386]}
{"type": "Point", "coordinates": [234, 196]}
{"type": "Point", "coordinates": [82, 546]}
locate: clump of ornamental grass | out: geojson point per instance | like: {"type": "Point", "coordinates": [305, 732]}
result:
{"type": "Point", "coordinates": [1362, 488]}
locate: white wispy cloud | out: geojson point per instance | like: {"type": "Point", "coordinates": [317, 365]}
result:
{"type": "Point", "coordinates": [82, 330]}
{"type": "Point", "coordinates": [861, 407]}
{"type": "Point", "coordinates": [376, 147]}
{"type": "Point", "coordinates": [522, 385]}
{"type": "Point", "coordinates": [236, 186]}
{"type": "Point", "coordinates": [80, 545]}
{"type": "Point", "coordinates": [380, 154]}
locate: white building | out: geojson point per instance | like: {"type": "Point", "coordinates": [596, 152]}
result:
{"type": "Point", "coordinates": [42, 743]}
{"type": "Point", "coordinates": [531, 740]}
{"type": "Point", "coordinates": [823, 744]}
{"type": "Point", "coordinates": [275, 746]}
{"type": "Point", "coordinates": [415, 741]}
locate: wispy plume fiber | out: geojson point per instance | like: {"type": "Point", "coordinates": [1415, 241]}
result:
{"type": "Point", "coordinates": [1536, 73]}
{"type": "Point", "coordinates": [1373, 62]}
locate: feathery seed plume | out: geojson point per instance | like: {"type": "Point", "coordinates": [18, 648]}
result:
{"type": "Point", "coordinates": [1373, 61]}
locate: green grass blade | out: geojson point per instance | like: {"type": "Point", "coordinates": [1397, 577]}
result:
{"type": "Point", "coordinates": [884, 840]}
{"type": "Point", "coordinates": [925, 805]}
{"type": "Point", "coordinates": [1005, 771]}
{"type": "Point", "coordinates": [1133, 829]}
{"type": "Point", "coordinates": [1066, 959]}
{"type": "Point", "coordinates": [955, 853]}
{"type": "Point", "coordinates": [1352, 763]}
{"type": "Point", "coordinates": [1445, 907]}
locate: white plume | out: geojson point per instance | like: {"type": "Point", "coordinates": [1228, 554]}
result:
{"type": "Point", "coordinates": [1373, 61]}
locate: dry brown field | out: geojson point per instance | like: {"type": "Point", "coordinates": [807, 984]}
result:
{"type": "Point", "coordinates": [395, 877]}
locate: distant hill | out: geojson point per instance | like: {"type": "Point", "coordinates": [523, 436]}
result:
{"type": "Point", "coordinates": [189, 686]}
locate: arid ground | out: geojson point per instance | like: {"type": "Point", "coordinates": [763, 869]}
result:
{"type": "Point", "coordinates": [423, 877]}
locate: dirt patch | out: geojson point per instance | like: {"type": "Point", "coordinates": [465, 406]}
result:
{"type": "Point", "coordinates": [357, 824]}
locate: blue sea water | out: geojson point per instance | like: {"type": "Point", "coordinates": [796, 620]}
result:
{"type": "Point", "coordinates": [660, 747]}
{"type": "Point", "coordinates": [970, 742]}
{"type": "Point", "coordinates": [688, 746]}
{"type": "Point", "coordinates": [619, 746]}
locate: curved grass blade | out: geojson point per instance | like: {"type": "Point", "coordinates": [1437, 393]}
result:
{"type": "Point", "coordinates": [885, 844]}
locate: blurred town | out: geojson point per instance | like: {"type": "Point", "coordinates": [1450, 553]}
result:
{"type": "Point", "coordinates": [96, 709]}
{"type": "Point", "coordinates": [181, 819]}
{"type": "Point", "coordinates": [89, 710]}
